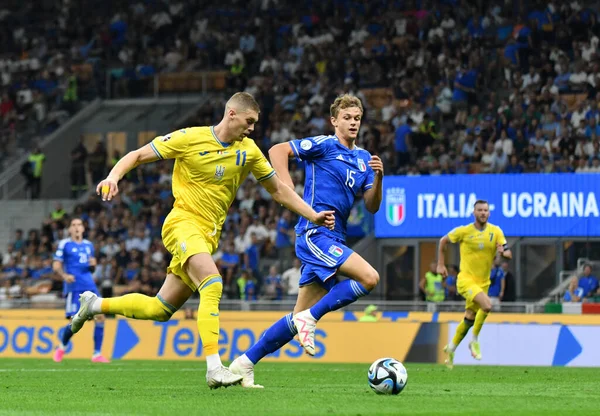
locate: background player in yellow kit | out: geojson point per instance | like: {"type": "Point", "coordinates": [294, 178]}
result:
{"type": "Point", "coordinates": [480, 243]}
{"type": "Point", "coordinates": [210, 165]}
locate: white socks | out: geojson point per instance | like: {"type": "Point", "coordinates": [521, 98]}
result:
{"type": "Point", "coordinates": [213, 362]}
{"type": "Point", "coordinates": [451, 346]}
{"type": "Point", "coordinates": [474, 338]}
{"type": "Point", "coordinates": [97, 306]}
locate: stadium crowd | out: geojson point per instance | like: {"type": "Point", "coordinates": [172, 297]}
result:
{"type": "Point", "coordinates": [449, 86]}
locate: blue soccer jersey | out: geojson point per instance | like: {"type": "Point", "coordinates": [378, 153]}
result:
{"type": "Point", "coordinates": [334, 176]}
{"type": "Point", "coordinates": [75, 258]}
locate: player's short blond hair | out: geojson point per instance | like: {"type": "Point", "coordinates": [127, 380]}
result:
{"type": "Point", "coordinates": [243, 101]}
{"type": "Point", "coordinates": [345, 101]}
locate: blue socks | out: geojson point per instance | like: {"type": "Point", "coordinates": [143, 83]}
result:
{"type": "Point", "coordinates": [279, 334]}
{"type": "Point", "coordinates": [98, 337]}
{"type": "Point", "coordinates": [342, 294]}
{"type": "Point", "coordinates": [67, 334]}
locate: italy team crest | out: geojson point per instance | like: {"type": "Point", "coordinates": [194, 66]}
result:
{"type": "Point", "coordinates": [395, 206]}
{"type": "Point", "coordinates": [361, 165]}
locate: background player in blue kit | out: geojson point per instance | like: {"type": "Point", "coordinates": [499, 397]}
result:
{"type": "Point", "coordinates": [74, 261]}
{"type": "Point", "coordinates": [336, 171]}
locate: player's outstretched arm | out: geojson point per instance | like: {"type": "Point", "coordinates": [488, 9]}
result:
{"type": "Point", "coordinates": [280, 154]}
{"type": "Point", "coordinates": [290, 199]}
{"type": "Point", "coordinates": [108, 187]}
{"type": "Point", "coordinates": [374, 196]}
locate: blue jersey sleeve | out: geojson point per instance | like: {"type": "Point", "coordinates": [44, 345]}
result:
{"type": "Point", "coordinates": [311, 148]}
{"type": "Point", "coordinates": [60, 251]}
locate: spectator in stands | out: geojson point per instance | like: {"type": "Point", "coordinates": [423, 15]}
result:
{"type": "Point", "coordinates": [497, 285]}
{"type": "Point", "coordinates": [228, 264]}
{"type": "Point", "coordinates": [370, 314]}
{"type": "Point", "coordinates": [34, 177]}
{"type": "Point", "coordinates": [431, 284]}
{"type": "Point", "coordinates": [247, 286]}
{"type": "Point", "coordinates": [272, 288]}
{"type": "Point", "coordinates": [588, 282]}
{"type": "Point", "coordinates": [574, 293]}
{"type": "Point", "coordinates": [290, 279]}
{"type": "Point", "coordinates": [97, 162]}
{"type": "Point", "coordinates": [450, 284]}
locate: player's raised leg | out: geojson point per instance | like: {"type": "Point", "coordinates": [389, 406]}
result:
{"type": "Point", "coordinates": [161, 307]}
{"type": "Point", "coordinates": [362, 280]}
{"type": "Point", "coordinates": [279, 334]}
{"type": "Point", "coordinates": [485, 307]}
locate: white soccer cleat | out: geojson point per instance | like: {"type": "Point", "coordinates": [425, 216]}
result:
{"type": "Point", "coordinates": [86, 300]}
{"type": "Point", "coordinates": [222, 377]}
{"type": "Point", "coordinates": [306, 324]}
{"type": "Point", "coordinates": [246, 370]}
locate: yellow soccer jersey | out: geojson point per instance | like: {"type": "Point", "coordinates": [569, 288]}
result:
{"type": "Point", "coordinates": [477, 249]}
{"type": "Point", "coordinates": [207, 172]}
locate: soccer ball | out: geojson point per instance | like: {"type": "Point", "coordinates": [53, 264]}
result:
{"type": "Point", "coordinates": [387, 376]}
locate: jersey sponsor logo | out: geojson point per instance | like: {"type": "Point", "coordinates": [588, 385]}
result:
{"type": "Point", "coordinates": [305, 144]}
{"type": "Point", "coordinates": [395, 206]}
{"type": "Point", "coordinates": [336, 251]}
{"type": "Point", "coordinates": [219, 172]}
{"type": "Point", "coordinates": [361, 165]}
{"type": "Point", "coordinates": [203, 153]}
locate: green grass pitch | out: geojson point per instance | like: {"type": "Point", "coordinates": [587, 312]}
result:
{"type": "Point", "coordinates": [41, 387]}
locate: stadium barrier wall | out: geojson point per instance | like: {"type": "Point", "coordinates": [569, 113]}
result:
{"type": "Point", "coordinates": [507, 339]}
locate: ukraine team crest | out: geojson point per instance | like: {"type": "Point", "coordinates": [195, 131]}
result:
{"type": "Point", "coordinates": [361, 165]}
{"type": "Point", "coordinates": [395, 206]}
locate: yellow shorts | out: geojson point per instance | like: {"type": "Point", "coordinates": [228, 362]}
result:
{"type": "Point", "coordinates": [183, 236]}
{"type": "Point", "coordinates": [469, 287]}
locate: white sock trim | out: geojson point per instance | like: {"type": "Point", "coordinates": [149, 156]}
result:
{"type": "Point", "coordinates": [213, 361]}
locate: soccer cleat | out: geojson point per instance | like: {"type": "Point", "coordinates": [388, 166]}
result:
{"type": "Point", "coordinates": [246, 371]}
{"type": "Point", "coordinates": [222, 377]}
{"type": "Point", "coordinates": [58, 355]}
{"type": "Point", "coordinates": [100, 359]}
{"type": "Point", "coordinates": [85, 311]}
{"type": "Point", "coordinates": [475, 349]}
{"type": "Point", "coordinates": [306, 324]}
{"type": "Point", "coordinates": [450, 358]}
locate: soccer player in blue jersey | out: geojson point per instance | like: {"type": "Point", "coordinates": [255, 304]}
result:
{"type": "Point", "coordinates": [74, 261]}
{"type": "Point", "coordinates": [336, 171]}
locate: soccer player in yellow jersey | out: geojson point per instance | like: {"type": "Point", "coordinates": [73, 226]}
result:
{"type": "Point", "coordinates": [480, 243]}
{"type": "Point", "coordinates": [210, 165]}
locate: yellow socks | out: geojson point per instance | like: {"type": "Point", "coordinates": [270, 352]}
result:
{"type": "Point", "coordinates": [479, 320]}
{"type": "Point", "coordinates": [461, 331]}
{"type": "Point", "coordinates": [208, 313]}
{"type": "Point", "coordinates": [137, 306]}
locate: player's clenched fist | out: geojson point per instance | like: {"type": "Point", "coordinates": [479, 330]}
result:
{"type": "Point", "coordinates": [376, 164]}
{"type": "Point", "coordinates": [107, 189]}
{"type": "Point", "coordinates": [326, 218]}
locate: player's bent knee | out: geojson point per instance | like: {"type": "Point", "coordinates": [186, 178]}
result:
{"type": "Point", "coordinates": [486, 307]}
{"type": "Point", "coordinates": [371, 279]}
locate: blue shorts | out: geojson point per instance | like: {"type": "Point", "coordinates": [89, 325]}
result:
{"type": "Point", "coordinates": [321, 256]}
{"type": "Point", "coordinates": [72, 298]}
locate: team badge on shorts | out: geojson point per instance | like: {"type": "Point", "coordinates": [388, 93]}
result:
{"type": "Point", "coordinates": [336, 251]}
{"type": "Point", "coordinates": [183, 247]}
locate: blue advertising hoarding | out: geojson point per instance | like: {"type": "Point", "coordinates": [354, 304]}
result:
{"type": "Point", "coordinates": [528, 205]}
